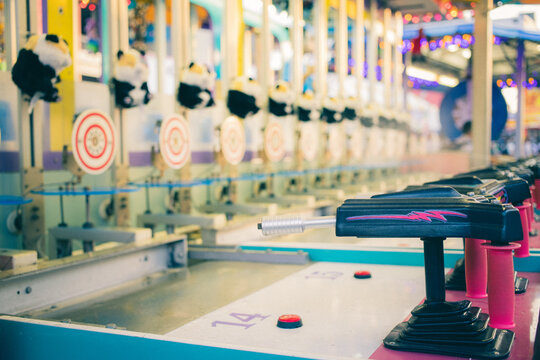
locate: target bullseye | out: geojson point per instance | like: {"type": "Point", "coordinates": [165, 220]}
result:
{"type": "Point", "coordinates": [232, 140]}
{"type": "Point", "coordinates": [93, 141]}
{"type": "Point", "coordinates": [174, 141]}
{"type": "Point", "coordinates": [274, 146]}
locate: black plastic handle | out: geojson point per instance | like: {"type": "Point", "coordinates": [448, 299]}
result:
{"type": "Point", "coordinates": [436, 212]}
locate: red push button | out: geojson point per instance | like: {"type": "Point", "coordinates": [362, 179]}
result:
{"type": "Point", "coordinates": [362, 274]}
{"type": "Point", "coordinates": [289, 321]}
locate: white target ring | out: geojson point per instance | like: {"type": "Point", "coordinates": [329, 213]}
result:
{"type": "Point", "coordinates": [174, 141]}
{"type": "Point", "coordinates": [93, 141]}
{"type": "Point", "coordinates": [274, 141]}
{"type": "Point", "coordinates": [233, 140]}
{"type": "Point", "coordinates": [336, 143]}
{"type": "Point", "coordinates": [356, 144]}
{"type": "Point", "coordinates": [309, 141]}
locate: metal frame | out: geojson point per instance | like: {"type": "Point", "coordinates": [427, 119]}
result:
{"type": "Point", "coordinates": [239, 254]}
{"type": "Point", "coordinates": [60, 280]}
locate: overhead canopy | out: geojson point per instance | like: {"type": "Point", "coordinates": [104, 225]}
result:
{"type": "Point", "coordinates": [501, 28]}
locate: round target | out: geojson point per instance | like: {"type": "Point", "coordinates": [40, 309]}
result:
{"type": "Point", "coordinates": [309, 141]}
{"type": "Point", "coordinates": [174, 141]}
{"type": "Point", "coordinates": [274, 143]}
{"type": "Point", "coordinates": [233, 140]}
{"type": "Point", "coordinates": [93, 141]}
{"type": "Point", "coordinates": [356, 144]}
{"type": "Point", "coordinates": [336, 143]}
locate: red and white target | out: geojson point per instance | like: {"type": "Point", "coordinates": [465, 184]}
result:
{"type": "Point", "coordinates": [233, 140]}
{"type": "Point", "coordinates": [309, 141]}
{"type": "Point", "coordinates": [336, 143]}
{"type": "Point", "coordinates": [94, 141]}
{"type": "Point", "coordinates": [274, 141]}
{"type": "Point", "coordinates": [356, 144]}
{"type": "Point", "coordinates": [174, 141]}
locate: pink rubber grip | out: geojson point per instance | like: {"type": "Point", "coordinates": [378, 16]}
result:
{"type": "Point", "coordinates": [530, 214]}
{"type": "Point", "coordinates": [536, 193]}
{"type": "Point", "coordinates": [501, 297]}
{"type": "Point", "coordinates": [523, 251]}
{"type": "Point", "coordinates": [475, 268]}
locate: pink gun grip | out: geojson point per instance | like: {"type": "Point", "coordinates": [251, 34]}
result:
{"type": "Point", "coordinates": [523, 251]}
{"type": "Point", "coordinates": [501, 298]}
{"type": "Point", "coordinates": [475, 268]}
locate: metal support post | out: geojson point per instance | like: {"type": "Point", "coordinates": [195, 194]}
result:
{"type": "Point", "coordinates": [521, 75]}
{"type": "Point", "coordinates": [372, 51]}
{"type": "Point", "coordinates": [181, 49]}
{"type": "Point", "coordinates": [321, 47]}
{"type": "Point", "coordinates": [482, 82]}
{"type": "Point", "coordinates": [341, 47]}
{"type": "Point", "coordinates": [359, 50]}
{"type": "Point", "coordinates": [296, 9]}
{"type": "Point", "coordinates": [387, 58]}
{"type": "Point", "coordinates": [397, 88]}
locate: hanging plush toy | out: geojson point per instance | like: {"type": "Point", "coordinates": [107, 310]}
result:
{"type": "Point", "coordinates": [280, 102]}
{"type": "Point", "coordinates": [332, 110]}
{"type": "Point", "coordinates": [307, 107]}
{"type": "Point", "coordinates": [38, 65]}
{"type": "Point", "coordinates": [350, 113]}
{"type": "Point", "coordinates": [130, 80]}
{"type": "Point", "coordinates": [194, 89]}
{"type": "Point", "coordinates": [244, 97]}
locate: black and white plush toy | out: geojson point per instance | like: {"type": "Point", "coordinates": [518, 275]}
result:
{"type": "Point", "coordinates": [244, 97]}
{"type": "Point", "coordinates": [196, 83]}
{"type": "Point", "coordinates": [38, 64]}
{"type": "Point", "coordinates": [307, 107]}
{"type": "Point", "coordinates": [130, 80]}
{"type": "Point", "coordinates": [280, 101]}
{"type": "Point", "coordinates": [332, 111]}
{"type": "Point", "coordinates": [350, 112]}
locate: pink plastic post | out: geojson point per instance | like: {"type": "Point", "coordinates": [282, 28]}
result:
{"type": "Point", "coordinates": [524, 249]}
{"type": "Point", "coordinates": [536, 193]}
{"type": "Point", "coordinates": [501, 292]}
{"type": "Point", "coordinates": [533, 198]}
{"type": "Point", "coordinates": [475, 268]}
{"type": "Point", "coordinates": [530, 216]}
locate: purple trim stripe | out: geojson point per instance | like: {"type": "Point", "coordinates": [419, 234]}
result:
{"type": "Point", "coordinates": [416, 216]}
{"type": "Point", "coordinates": [52, 160]}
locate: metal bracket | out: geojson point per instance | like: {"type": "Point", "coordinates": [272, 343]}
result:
{"type": "Point", "coordinates": [33, 215]}
{"type": "Point", "coordinates": [121, 201]}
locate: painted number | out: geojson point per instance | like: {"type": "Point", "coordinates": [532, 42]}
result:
{"type": "Point", "coordinates": [244, 318]}
{"type": "Point", "coordinates": [330, 275]}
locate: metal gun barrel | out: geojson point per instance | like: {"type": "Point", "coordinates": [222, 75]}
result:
{"type": "Point", "coordinates": [278, 225]}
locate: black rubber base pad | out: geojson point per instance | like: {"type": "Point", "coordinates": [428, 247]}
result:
{"type": "Point", "coordinates": [521, 285]}
{"type": "Point", "coordinates": [499, 348]}
{"type": "Point", "coordinates": [447, 308]}
{"type": "Point", "coordinates": [456, 279]}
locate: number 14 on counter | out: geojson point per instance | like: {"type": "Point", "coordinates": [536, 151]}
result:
{"type": "Point", "coordinates": [245, 320]}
